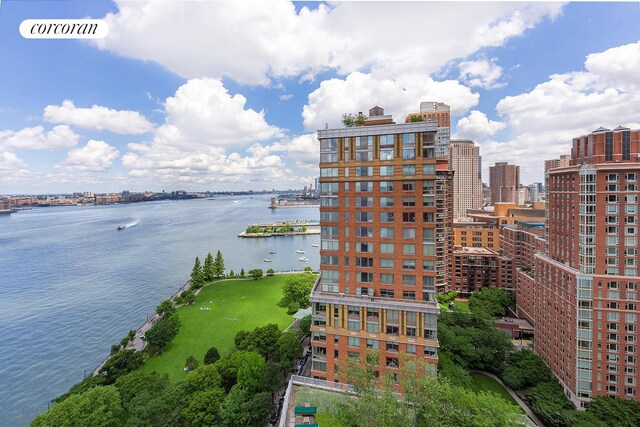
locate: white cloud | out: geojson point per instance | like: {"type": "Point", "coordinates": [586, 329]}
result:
{"type": "Point", "coordinates": [202, 141]}
{"type": "Point", "coordinates": [95, 156]}
{"type": "Point", "coordinates": [9, 162]}
{"type": "Point", "coordinates": [544, 120]}
{"type": "Point", "coordinates": [203, 112]}
{"type": "Point", "coordinates": [483, 73]}
{"type": "Point", "coordinates": [35, 138]}
{"type": "Point", "coordinates": [98, 118]}
{"type": "Point", "coordinates": [477, 126]}
{"type": "Point", "coordinates": [286, 97]}
{"type": "Point", "coordinates": [269, 39]}
{"type": "Point", "coordinates": [400, 96]}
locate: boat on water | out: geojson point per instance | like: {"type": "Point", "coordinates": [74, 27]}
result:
{"type": "Point", "coordinates": [236, 201]}
{"type": "Point", "coordinates": [315, 245]}
{"type": "Point", "coordinates": [266, 260]}
{"type": "Point", "coordinates": [272, 252]}
{"type": "Point", "coordinates": [122, 227]}
{"type": "Point", "coordinates": [304, 258]}
{"type": "Point", "coordinates": [300, 251]}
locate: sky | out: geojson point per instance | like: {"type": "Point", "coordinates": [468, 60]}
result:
{"type": "Point", "coordinates": [224, 96]}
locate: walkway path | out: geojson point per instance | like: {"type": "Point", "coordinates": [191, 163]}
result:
{"type": "Point", "coordinates": [513, 394]}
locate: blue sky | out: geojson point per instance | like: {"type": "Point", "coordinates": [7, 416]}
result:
{"type": "Point", "coordinates": [227, 96]}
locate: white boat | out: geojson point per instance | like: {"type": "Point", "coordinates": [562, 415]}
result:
{"type": "Point", "coordinates": [315, 245]}
{"type": "Point", "coordinates": [266, 260]}
{"type": "Point", "coordinates": [122, 227]}
{"type": "Point", "coordinates": [236, 201]}
{"type": "Point", "coordinates": [300, 251]}
{"type": "Point", "coordinates": [304, 258]}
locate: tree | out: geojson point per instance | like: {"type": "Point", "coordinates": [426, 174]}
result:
{"type": "Point", "coordinates": [211, 356]}
{"type": "Point", "coordinates": [305, 325]}
{"type": "Point", "coordinates": [256, 274]}
{"type": "Point", "coordinates": [241, 408]}
{"type": "Point", "coordinates": [251, 371]}
{"type": "Point", "coordinates": [242, 272]}
{"type": "Point", "coordinates": [263, 339]}
{"type": "Point", "coordinates": [493, 301]}
{"type": "Point", "coordinates": [413, 119]}
{"type": "Point", "coordinates": [205, 377]}
{"type": "Point", "coordinates": [165, 308]}
{"type": "Point", "coordinates": [289, 347]}
{"type": "Point", "coordinates": [455, 374]}
{"type": "Point", "coordinates": [303, 228]}
{"type": "Point", "coordinates": [232, 274]}
{"type": "Point", "coordinates": [150, 399]}
{"type": "Point", "coordinates": [297, 289]}
{"type": "Point", "coordinates": [161, 334]}
{"type": "Point", "coordinates": [203, 408]}
{"type": "Point", "coordinates": [208, 271]}
{"type": "Point", "coordinates": [99, 406]}
{"type": "Point", "coordinates": [270, 272]}
{"type": "Point", "coordinates": [197, 276]}
{"type": "Point", "coordinates": [218, 265]}
{"type": "Point", "coordinates": [525, 369]}
{"type": "Point", "coordinates": [308, 269]}
{"type": "Point", "coordinates": [616, 412]}
{"type": "Point", "coordinates": [348, 119]}
{"type": "Point", "coordinates": [191, 364]}
{"type": "Point", "coordinates": [119, 364]}
{"type": "Point", "coordinates": [547, 401]}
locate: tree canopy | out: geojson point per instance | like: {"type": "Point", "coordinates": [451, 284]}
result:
{"type": "Point", "coordinates": [493, 301]}
{"type": "Point", "coordinates": [297, 290]}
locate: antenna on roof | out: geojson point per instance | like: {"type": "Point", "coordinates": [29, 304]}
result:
{"type": "Point", "coordinates": [326, 126]}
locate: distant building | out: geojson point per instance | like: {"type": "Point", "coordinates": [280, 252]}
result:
{"type": "Point", "coordinates": [464, 161]}
{"type": "Point", "coordinates": [561, 162]}
{"type": "Point", "coordinates": [440, 113]}
{"type": "Point", "coordinates": [504, 183]}
{"type": "Point", "coordinates": [477, 268]}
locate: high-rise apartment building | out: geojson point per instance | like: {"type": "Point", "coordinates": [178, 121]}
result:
{"type": "Point", "coordinates": [440, 113]}
{"type": "Point", "coordinates": [586, 281]}
{"type": "Point", "coordinates": [464, 161]}
{"type": "Point", "coordinates": [385, 218]}
{"type": "Point", "coordinates": [504, 180]}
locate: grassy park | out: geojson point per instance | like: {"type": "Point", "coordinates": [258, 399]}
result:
{"type": "Point", "coordinates": [231, 306]}
{"type": "Point", "coordinates": [488, 384]}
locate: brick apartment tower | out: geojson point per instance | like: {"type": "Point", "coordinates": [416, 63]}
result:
{"type": "Point", "coordinates": [586, 282]}
{"type": "Point", "coordinates": [464, 161]}
{"type": "Point", "coordinates": [561, 162]}
{"type": "Point", "coordinates": [504, 180]}
{"type": "Point", "coordinates": [385, 220]}
{"type": "Point", "coordinates": [440, 113]}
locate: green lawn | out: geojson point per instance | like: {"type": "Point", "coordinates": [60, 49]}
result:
{"type": "Point", "coordinates": [327, 403]}
{"type": "Point", "coordinates": [462, 306]}
{"type": "Point", "coordinates": [488, 384]}
{"type": "Point", "coordinates": [233, 305]}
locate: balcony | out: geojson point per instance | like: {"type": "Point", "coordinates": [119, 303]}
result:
{"type": "Point", "coordinates": [318, 296]}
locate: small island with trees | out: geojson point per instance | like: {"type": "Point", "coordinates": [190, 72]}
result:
{"type": "Point", "coordinates": [290, 228]}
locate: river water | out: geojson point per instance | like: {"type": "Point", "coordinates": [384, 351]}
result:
{"type": "Point", "coordinates": [71, 284]}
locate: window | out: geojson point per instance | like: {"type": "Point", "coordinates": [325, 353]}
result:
{"type": "Point", "coordinates": [386, 153]}
{"type": "Point", "coordinates": [408, 249]}
{"type": "Point", "coordinates": [364, 247]}
{"type": "Point", "coordinates": [408, 201]}
{"type": "Point", "coordinates": [353, 341]}
{"type": "Point", "coordinates": [328, 172]}
{"type": "Point", "coordinates": [429, 169]}
{"type": "Point", "coordinates": [364, 216]}
{"type": "Point", "coordinates": [386, 233]}
{"type": "Point", "coordinates": [408, 233]}
{"type": "Point", "coordinates": [408, 170]}
{"type": "Point", "coordinates": [386, 263]}
{"type": "Point", "coordinates": [411, 348]}
{"type": "Point", "coordinates": [408, 217]}
{"type": "Point", "coordinates": [386, 217]}
{"type": "Point", "coordinates": [386, 186]}
{"type": "Point", "coordinates": [364, 171]}
{"type": "Point", "coordinates": [387, 171]}
{"type": "Point", "coordinates": [608, 141]}
{"type": "Point", "coordinates": [407, 186]}
{"type": "Point", "coordinates": [364, 231]}
{"type": "Point", "coordinates": [387, 293]}
{"type": "Point", "coordinates": [408, 264]}
{"type": "Point", "coordinates": [392, 346]}
{"type": "Point", "coordinates": [386, 248]}
{"type": "Point", "coordinates": [387, 279]}
{"type": "Point", "coordinates": [408, 280]}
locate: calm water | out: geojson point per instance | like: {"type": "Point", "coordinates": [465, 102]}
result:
{"type": "Point", "coordinates": [71, 284]}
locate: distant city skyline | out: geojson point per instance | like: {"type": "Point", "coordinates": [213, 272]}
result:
{"type": "Point", "coordinates": [240, 109]}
